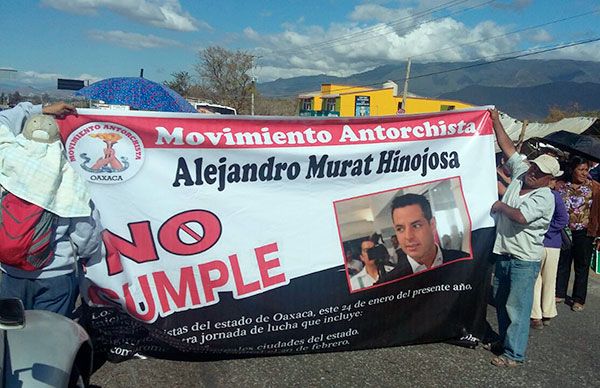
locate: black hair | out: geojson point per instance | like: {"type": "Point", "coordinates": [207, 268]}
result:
{"type": "Point", "coordinates": [413, 199]}
{"type": "Point", "coordinates": [574, 162]}
{"type": "Point", "coordinates": [499, 157]}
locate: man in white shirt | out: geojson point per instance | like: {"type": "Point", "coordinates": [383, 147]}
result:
{"type": "Point", "coordinates": [523, 217]}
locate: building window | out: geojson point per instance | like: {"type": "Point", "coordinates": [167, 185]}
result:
{"type": "Point", "coordinates": [329, 104]}
{"type": "Point", "coordinates": [362, 106]}
{"type": "Point", "coordinates": [307, 104]}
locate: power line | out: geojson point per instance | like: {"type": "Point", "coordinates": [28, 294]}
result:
{"type": "Point", "coordinates": [495, 36]}
{"type": "Point", "coordinates": [526, 54]}
{"type": "Point", "coordinates": [366, 34]}
{"type": "Point", "coordinates": [523, 53]}
{"type": "Point", "coordinates": [508, 33]}
{"type": "Point", "coordinates": [373, 28]}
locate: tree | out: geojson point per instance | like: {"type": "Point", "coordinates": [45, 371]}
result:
{"type": "Point", "coordinates": [182, 83]}
{"type": "Point", "coordinates": [225, 76]}
{"type": "Point", "coordinates": [14, 98]}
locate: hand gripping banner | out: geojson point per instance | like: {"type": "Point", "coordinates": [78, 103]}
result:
{"type": "Point", "coordinates": [285, 235]}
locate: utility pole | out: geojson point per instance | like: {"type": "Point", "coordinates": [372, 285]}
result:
{"type": "Point", "coordinates": [252, 96]}
{"type": "Point", "coordinates": [405, 92]}
{"type": "Point", "coordinates": [89, 100]}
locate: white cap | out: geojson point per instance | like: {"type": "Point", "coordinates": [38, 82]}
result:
{"type": "Point", "coordinates": [548, 165]}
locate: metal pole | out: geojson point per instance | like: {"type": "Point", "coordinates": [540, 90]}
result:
{"type": "Point", "coordinates": [405, 92]}
{"type": "Point", "coordinates": [87, 83]}
{"type": "Point", "coordinates": [252, 96]}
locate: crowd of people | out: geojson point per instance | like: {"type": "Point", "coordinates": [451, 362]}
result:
{"type": "Point", "coordinates": [547, 220]}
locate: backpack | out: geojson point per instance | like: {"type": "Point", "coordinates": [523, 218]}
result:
{"type": "Point", "coordinates": [27, 232]}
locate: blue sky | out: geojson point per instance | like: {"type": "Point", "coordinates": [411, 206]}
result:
{"type": "Point", "coordinates": [94, 39]}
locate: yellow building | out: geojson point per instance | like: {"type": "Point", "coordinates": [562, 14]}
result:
{"type": "Point", "coordinates": [348, 101]}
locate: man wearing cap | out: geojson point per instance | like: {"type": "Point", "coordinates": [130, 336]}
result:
{"type": "Point", "coordinates": [523, 217]}
{"type": "Point", "coordinates": [35, 169]}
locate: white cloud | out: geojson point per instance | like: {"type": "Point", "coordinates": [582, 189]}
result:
{"type": "Point", "coordinates": [376, 34]}
{"type": "Point", "coordinates": [88, 77]}
{"type": "Point", "coordinates": [159, 13]}
{"type": "Point", "coordinates": [131, 40]}
{"type": "Point", "coordinates": [348, 48]}
{"type": "Point", "coordinates": [541, 36]}
{"type": "Point", "coordinates": [47, 81]}
{"type": "Point", "coordinates": [584, 52]}
{"type": "Point", "coordinates": [269, 73]}
{"type": "Point", "coordinates": [251, 34]}
{"type": "Point", "coordinates": [30, 76]}
{"type": "Point", "coordinates": [353, 48]}
{"type": "Point", "coordinates": [367, 12]}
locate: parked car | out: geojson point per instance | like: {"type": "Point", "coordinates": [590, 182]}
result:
{"type": "Point", "coordinates": [42, 349]}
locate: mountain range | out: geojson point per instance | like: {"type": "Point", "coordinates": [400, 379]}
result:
{"type": "Point", "coordinates": [525, 89]}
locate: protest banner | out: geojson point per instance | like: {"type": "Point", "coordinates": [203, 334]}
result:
{"type": "Point", "coordinates": [244, 235]}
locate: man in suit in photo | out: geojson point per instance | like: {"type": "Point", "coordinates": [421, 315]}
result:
{"type": "Point", "coordinates": [415, 230]}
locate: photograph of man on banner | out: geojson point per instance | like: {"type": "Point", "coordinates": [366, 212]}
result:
{"type": "Point", "coordinates": [422, 227]}
{"type": "Point", "coordinates": [416, 231]}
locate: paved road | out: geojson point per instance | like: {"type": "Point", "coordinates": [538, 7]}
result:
{"type": "Point", "coordinates": [564, 354]}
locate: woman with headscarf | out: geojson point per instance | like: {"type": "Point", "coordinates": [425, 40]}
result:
{"type": "Point", "coordinates": [582, 199]}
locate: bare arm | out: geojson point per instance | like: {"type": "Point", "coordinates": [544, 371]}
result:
{"type": "Point", "coordinates": [501, 188]}
{"type": "Point", "coordinates": [15, 118]}
{"type": "Point", "coordinates": [504, 142]}
{"type": "Point", "coordinates": [59, 109]}
{"type": "Point", "coordinates": [512, 213]}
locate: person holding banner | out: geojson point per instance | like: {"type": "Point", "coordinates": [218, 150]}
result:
{"type": "Point", "coordinates": [523, 217]}
{"type": "Point", "coordinates": [415, 230]}
{"type": "Point", "coordinates": [36, 170]}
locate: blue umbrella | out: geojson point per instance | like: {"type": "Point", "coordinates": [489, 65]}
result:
{"type": "Point", "coordinates": [137, 92]}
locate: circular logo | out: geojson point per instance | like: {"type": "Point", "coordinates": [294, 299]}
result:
{"type": "Point", "coordinates": [105, 152]}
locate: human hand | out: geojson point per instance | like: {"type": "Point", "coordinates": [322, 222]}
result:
{"type": "Point", "coordinates": [497, 207]}
{"type": "Point", "coordinates": [59, 109]}
{"type": "Point", "coordinates": [494, 114]}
